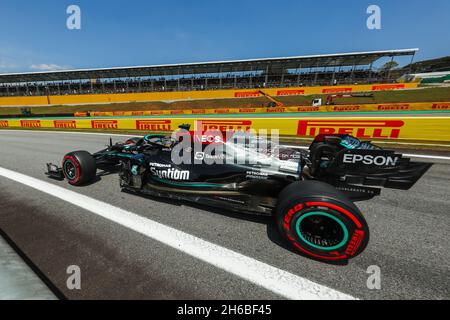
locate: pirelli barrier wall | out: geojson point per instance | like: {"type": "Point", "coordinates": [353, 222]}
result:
{"type": "Point", "coordinates": [195, 95]}
{"type": "Point", "coordinates": [384, 107]}
{"type": "Point", "coordinates": [391, 128]}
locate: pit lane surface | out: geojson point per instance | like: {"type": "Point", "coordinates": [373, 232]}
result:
{"type": "Point", "coordinates": [410, 236]}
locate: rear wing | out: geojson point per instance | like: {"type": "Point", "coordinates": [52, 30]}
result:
{"type": "Point", "coordinates": [379, 168]}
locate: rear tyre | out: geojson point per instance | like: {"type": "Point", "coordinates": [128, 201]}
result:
{"type": "Point", "coordinates": [79, 167]}
{"type": "Point", "coordinates": [321, 222]}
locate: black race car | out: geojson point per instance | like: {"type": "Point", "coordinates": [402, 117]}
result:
{"type": "Point", "coordinates": [311, 193]}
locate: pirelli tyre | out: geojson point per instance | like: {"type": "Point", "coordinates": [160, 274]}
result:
{"type": "Point", "coordinates": [321, 222]}
{"type": "Point", "coordinates": [79, 167]}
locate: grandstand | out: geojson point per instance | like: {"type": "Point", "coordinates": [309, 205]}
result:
{"type": "Point", "coordinates": [429, 66]}
{"type": "Point", "coordinates": [298, 71]}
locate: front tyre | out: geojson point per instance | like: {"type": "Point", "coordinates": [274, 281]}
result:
{"type": "Point", "coordinates": [321, 222]}
{"type": "Point", "coordinates": [79, 167]}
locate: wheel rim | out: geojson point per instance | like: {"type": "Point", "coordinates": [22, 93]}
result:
{"type": "Point", "coordinates": [70, 170]}
{"type": "Point", "coordinates": [322, 230]}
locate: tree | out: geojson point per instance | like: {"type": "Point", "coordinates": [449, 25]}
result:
{"type": "Point", "coordinates": [388, 66]}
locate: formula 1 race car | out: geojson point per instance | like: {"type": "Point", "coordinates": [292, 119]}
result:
{"type": "Point", "coordinates": [311, 193]}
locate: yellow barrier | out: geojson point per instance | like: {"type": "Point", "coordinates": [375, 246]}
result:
{"type": "Point", "coordinates": [391, 128]}
{"type": "Point", "coordinates": [383, 107]}
{"type": "Point", "coordinates": [196, 95]}
{"type": "Point", "coordinates": [23, 101]}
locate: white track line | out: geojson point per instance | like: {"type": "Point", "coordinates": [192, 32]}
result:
{"type": "Point", "coordinates": [424, 156]}
{"type": "Point", "coordinates": [416, 144]}
{"type": "Point", "coordinates": [73, 132]}
{"type": "Point", "coordinates": [405, 154]}
{"type": "Point", "coordinates": [290, 146]}
{"type": "Point", "coordinates": [273, 279]}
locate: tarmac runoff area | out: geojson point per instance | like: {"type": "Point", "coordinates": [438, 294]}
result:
{"type": "Point", "coordinates": [130, 247]}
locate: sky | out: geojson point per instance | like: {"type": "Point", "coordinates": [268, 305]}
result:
{"type": "Point", "coordinates": [34, 35]}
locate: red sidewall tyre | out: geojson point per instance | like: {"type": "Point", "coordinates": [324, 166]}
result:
{"type": "Point", "coordinates": [79, 167]}
{"type": "Point", "coordinates": [321, 222]}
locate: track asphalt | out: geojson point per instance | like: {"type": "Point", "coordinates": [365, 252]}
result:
{"type": "Point", "coordinates": [410, 236]}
